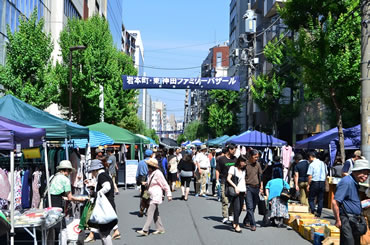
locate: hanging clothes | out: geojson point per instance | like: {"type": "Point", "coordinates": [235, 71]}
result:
{"type": "Point", "coordinates": [287, 155]}
{"type": "Point", "coordinates": [4, 185]}
{"type": "Point", "coordinates": [35, 189]}
{"type": "Point", "coordinates": [267, 155]}
{"type": "Point", "coordinates": [17, 190]}
{"type": "Point", "coordinates": [26, 188]}
{"type": "Point", "coordinates": [75, 161]}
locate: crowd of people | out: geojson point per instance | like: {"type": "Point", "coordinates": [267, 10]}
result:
{"type": "Point", "coordinates": [243, 181]}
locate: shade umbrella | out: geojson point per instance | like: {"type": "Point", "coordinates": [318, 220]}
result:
{"type": "Point", "coordinates": [197, 142]}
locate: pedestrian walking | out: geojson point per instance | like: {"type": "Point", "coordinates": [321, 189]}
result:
{"type": "Point", "coordinates": [156, 185]}
{"type": "Point", "coordinates": [141, 177]}
{"type": "Point", "coordinates": [317, 173]}
{"type": "Point", "coordinates": [203, 166]}
{"type": "Point", "coordinates": [279, 207]}
{"type": "Point", "coordinates": [347, 206]}
{"type": "Point", "coordinates": [104, 185]}
{"type": "Point", "coordinates": [113, 168]}
{"type": "Point", "coordinates": [301, 177]}
{"type": "Point", "coordinates": [222, 170]}
{"type": "Point", "coordinates": [172, 169]}
{"type": "Point", "coordinates": [213, 172]}
{"type": "Point", "coordinates": [348, 164]}
{"type": "Point", "coordinates": [254, 187]}
{"type": "Point", "coordinates": [186, 169]}
{"type": "Point", "coordinates": [236, 179]}
{"type": "Point", "coordinates": [60, 191]}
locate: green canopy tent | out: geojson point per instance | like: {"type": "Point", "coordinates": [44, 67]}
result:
{"type": "Point", "coordinates": [56, 128]}
{"type": "Point", "coordinates": [120, 135]}
{"type": "Point", "coordinates": [217, 141]}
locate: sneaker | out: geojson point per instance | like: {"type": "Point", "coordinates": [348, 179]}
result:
{"type": "Point", "coordinates": [231, 218]}
{"type": "Point", "coordinates": [143, 233]}
{"type": "Point", "coordinates": [215, 195]}
{"type": "Point", "coordinates": [204, 195]}
{"type": "Point", "coordinates": [158, 232]}
{"type": "Point", "coordinates": [197, 195]}
{"type": "Point", "coordinates": [225, 220]}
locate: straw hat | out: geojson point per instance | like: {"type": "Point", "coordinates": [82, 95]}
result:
{"type": "Point", "coordinates": [96, 164]}
{"type": "Point", "coordinates": [152, 162]}
{"type": "Point", "coordinates": [361, 164]}
{"type": "Point", "coordinates": [65, 164]}
{"type": "Point", "coordinates": [203, 147]}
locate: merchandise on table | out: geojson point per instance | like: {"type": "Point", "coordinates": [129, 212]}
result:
{"type": "Point", "coordinates": [331, 231]}
{"type": "Point", "coordinates": [331, 241]}
{"type": "Point", "coordinates": [297, 208]}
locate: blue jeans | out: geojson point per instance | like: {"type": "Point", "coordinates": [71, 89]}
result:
{"type": "Point", "coordinates": [251, 199]}
{"type": "Point", "coordinates": [317, 190]}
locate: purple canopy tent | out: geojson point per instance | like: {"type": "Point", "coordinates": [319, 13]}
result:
{"type": "Point", "coordinates": [12, 134]}
{"type": "Point", "coordinates": [258, 139]}
{"type": "Point", "coordinates": [318, 141]}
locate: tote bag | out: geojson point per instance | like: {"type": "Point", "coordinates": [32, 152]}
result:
{"type": "Point", "coordinates": [103, 212]}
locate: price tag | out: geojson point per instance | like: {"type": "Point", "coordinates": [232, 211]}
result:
{"type": "Point", "coordinates": [31, 143]}
{"type": "Point", "coordinates": [18, 148]}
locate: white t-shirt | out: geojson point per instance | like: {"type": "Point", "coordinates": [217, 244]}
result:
{"type": "Point", "coordinates": [241, 177]}
{"type": "Point", "coordinates": [203, 160]}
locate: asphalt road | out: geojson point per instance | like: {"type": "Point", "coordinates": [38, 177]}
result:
{"type": "Point", "coordinates": [196, 221]}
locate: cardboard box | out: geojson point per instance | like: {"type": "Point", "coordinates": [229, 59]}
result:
{"type": "Point", "coordinates": [297, 208]}
{"type": "Point", "coordinates": [331, 241]}
{"type": "Point", "coordinates": [319, 229]}
{"type": "Point", "coordinates": [307, 233]}
{"type": "Point", "coordinates": [293, 216]}
{"type": "Point", "coordinates": [331, 231]}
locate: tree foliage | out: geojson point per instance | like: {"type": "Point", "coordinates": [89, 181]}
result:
{"type": "Point", "coordinates": [28, 73]}
{"type": "Point", "coordinates": [181, 139]}
{"type": "Point", "coordinates": [222, 110]}
{"type": "Point", "coordinates": [195, 130]}
{"type": "Point", "coordinates": [328, 50]}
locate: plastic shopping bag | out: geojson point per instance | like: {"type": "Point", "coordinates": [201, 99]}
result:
{"type": "Point", "coordinates": [103, 212]}
{"type": "Point", "coordinates": [86, 214]}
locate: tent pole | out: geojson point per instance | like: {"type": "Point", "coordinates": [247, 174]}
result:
{"type": "Point", "coordinates": [47, 172]}
{"type": "Point", "coordinates": [66, 147]}
{"type": "Point", "coordinates": [12, 197]}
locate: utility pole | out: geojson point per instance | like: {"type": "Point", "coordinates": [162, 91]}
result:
{"type": "Point", "coordinates": [365, 80]}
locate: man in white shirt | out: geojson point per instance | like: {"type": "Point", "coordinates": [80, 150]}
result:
{"type": "Point", "coordinates": [203, 165]}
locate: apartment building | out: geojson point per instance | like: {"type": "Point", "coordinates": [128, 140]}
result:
{"type": "Point", "coordinates": [159, 117]}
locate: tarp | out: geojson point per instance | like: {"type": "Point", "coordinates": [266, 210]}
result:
{"type": "Point", "coordinates": [167, 142]}
{"type": "Point", "coordinates": [197, 142]}
{"type": "Point", "coordinates": [56, 128]}
{"type": "Point", "coordinates": [13, 133]}
{"type": "Point", "coordinates": [217, 141]}
{"type": "Point", "coordinates": [258, 139]}
{"type": "Point", "coordinates": [318, 141]}
{"type": "Point", "coordinates": [119, 135]}
{"type": "Point", "coordinates": [96, 139]}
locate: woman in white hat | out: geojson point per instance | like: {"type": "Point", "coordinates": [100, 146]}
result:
{"type": "Point", "coordinates": [156, 185]}
{"type": "Point", "coordinates": [105, 186]}
{"type": "Point", "coordinates": [60, 189]}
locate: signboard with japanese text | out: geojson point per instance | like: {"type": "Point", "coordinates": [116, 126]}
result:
{"type": "Point", "coordinates": [204, 83]}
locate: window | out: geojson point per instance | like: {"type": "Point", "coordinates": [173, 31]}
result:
{"type": "Point", "coordinates": [70, 11]}
{"type": "Point", "coordinates": [218, 59]}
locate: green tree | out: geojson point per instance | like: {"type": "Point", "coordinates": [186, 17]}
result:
{"type": "Point", "coordinates": [268, 89]}
{"type": "Point", "coordinates": [195, 130]}
{"type": "Point", "coordinates": [94, 68]}
{"type": "Point", "coordinates": [328, 49]}
{"type": "Point", "coordinates": [120, 103]}
{"type": "Point", "coordinates": [28, 73]}
{"type": "Point", "coordinates": [181, 139]}
{"type": "Point", "coordinates": [222, 110]}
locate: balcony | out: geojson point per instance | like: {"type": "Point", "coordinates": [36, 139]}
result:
{"type": "Point", "coordinates": [270, 7]}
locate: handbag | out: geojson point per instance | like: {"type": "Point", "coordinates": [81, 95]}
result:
{"type": "Point", "coordinates": [262, 209]}
{"type": "Point", "coordinates": [357, 223]}
{"type": "Point", "coordinates": [284, 195]}
{"type": "Point", "coordinates": [186, 173]}
{"type": "Point", "coordinates": [146, 194]}
{"type": "Point", "coordinates": [103, 212]}
{"type": "Point", "coordinates": [230, 190]}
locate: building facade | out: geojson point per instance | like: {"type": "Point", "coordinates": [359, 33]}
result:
{"type": "Point", "coordinates": [115, 20]}
{"type": "Point", "coordinates": [159, 117]}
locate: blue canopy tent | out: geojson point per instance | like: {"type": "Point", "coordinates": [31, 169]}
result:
{"type": "Point", "coordinates": [217, 141]}
{"type": "Point", "coordinates": [186, 143]}
{"type": "Point", "coordinates": [318, 141]}
{"type": "Point", "coordinates": [96, 139]}
{"type": "Point", "coordinates": [197, 142]}
{"type": "Point", "coordinates": [257, 139]}
{"type": "Point", "coordinates": [352, 141]}
{"type": "Point", "coordinates": [13, 133]}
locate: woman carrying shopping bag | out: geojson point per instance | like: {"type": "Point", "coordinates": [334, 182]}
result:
{"type": "Point", "coordinates": [236, 180]}
{"type": "Point", "coordinates": [156, 185]}
{"type": "Point", "coordinates": [103, 190]}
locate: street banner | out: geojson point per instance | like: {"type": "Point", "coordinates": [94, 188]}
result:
{"type": "Point", "coordinates": [203, 83]}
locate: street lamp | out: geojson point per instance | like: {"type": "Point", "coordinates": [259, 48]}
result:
{"type": "Point", "coordinates": [71, 49]}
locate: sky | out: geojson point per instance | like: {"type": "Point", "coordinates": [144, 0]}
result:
{"type": "Point", "coordinates": [176, 34]}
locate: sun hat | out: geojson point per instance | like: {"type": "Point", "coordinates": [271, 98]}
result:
{"type": "Point", "coordinates": [361, 164]}
{"type": "Point", "coordinates": [65, 164]}
{"type": "Point", "coordinates": [148, 153]}
{"type": "Point", "coordinates": [152, 162]}
{"type": "Point", "coordinates": [357, 153]}
{"type": "Point", "coordinates": [203, 147]}
{"type": "Point", "coordinates": [95, 165]}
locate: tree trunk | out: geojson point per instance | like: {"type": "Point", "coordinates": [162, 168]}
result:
{"type": "Point", "coordinates": [338, 112]}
